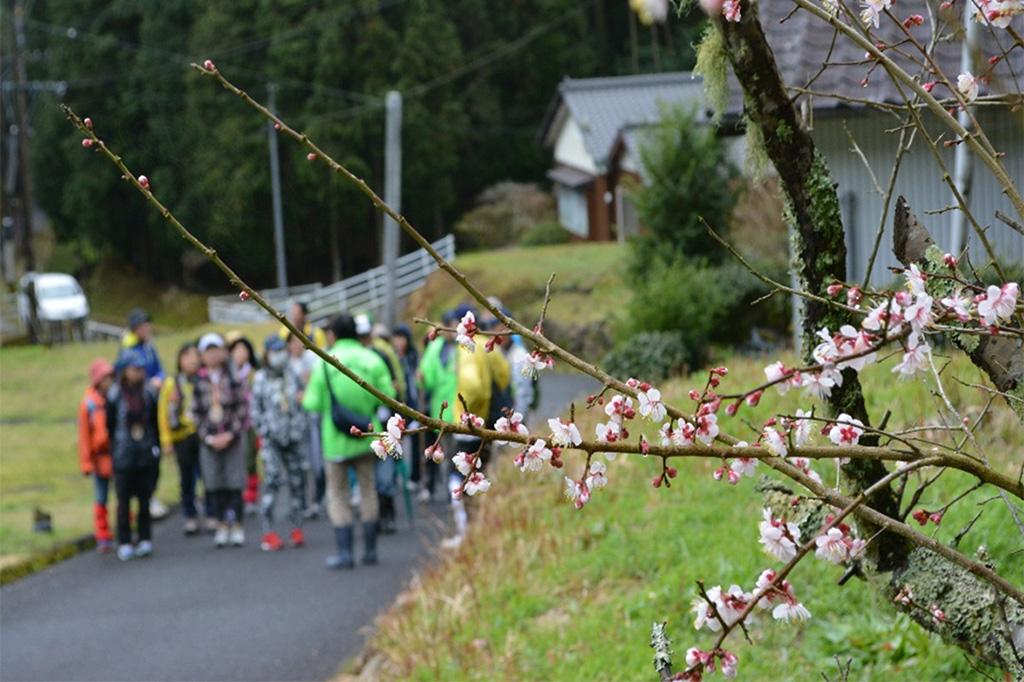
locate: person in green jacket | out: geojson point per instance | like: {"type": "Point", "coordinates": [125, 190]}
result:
{"type": "Point", "coordinates": [342, 450]}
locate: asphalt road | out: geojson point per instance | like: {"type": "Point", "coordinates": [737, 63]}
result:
{"type": "Point", "coordinates": [193, 612]}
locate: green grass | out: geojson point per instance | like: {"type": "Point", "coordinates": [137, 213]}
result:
{"type": "Point", "coordinates": [40, 389]}
{"type": "Point", "coordinates": [588, 290]}
{"type": "Point", "coordinates": [542, 591]}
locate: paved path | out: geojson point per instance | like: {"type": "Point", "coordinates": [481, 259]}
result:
{"type": "Point", "coordinates": [192, 612]}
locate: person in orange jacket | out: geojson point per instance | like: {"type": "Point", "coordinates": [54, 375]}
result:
{"type": "Point", "coordinates": [94, 446]}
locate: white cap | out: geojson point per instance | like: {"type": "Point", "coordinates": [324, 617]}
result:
{"type": "Point", "coordinates": [209, 340]}
{"type": "Point", "coordinates": [363, 325]}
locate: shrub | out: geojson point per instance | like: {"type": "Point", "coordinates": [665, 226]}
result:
{"type": "Point", "coordinates": [504, 213]}
{"type": "Point", "coordinates": [704, 304]}
{"type": "Point", "coordinates": [687, 178]}
{"type": "Point", "coordinates": [543, 234]}
{"type": "Point", "coordinates": [651, 356]}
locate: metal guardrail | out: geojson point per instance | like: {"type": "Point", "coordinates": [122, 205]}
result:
{"type": "Point", "coordinates": [366, 291]}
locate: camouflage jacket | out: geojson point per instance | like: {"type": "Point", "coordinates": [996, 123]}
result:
{"type": "Point", "coordinates": [277, 410]}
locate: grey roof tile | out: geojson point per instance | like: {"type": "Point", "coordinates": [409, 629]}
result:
{"type": "Point", "coordinates": [604, 106]}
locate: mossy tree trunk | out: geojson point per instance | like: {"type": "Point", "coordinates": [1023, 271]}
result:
{"type": "Point", "coordinates": [980, 621]}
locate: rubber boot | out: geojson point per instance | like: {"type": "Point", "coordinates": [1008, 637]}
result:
{"type": "Point", "coordinates": [344, 557]}
{"type": "Point", "coordinates": [101, 523]}
{"type": "Point", "coordinates": [387, 515]}
{"type": "Point", "coordinates": [370, 539]}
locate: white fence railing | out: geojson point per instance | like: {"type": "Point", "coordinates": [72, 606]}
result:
{"type": "Point", "coordinates": [365, 292]}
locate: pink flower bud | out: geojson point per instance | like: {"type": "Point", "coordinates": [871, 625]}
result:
{"type": "Point", "coordinates": [854, 296]}
{"type": "Point", "coordinates": [645, 447]}
{"type": "Point", "coordinates": [87, 142]}
{"type": "Point", "coordinates": [209, 65]}
{"type": "Point", "coordinates": [311, 157]}
{"type": "Point", "coordinates": [834, 288]}
{"type": "Point", "coordinates": [87, 122]}
{"type": "Point", "coordinates": [950, 261]}
{"type": "Point", "coordinates": [720, 371]}
{"type": "Point", "coordinates": [719, 473]}
{"type": "Point", "coordinates": [921, 516]}
{"type": "Point", "coordinates": [144, 181]}
{"type": "Point", "coordinates": [714, 381]}
{"type": "Point", "coordinates": [731, 409]}
{"type": "Point", "coordinates": [754, 398]}
{"type": "Point", "coordinates": [694, 395]}
{"type": "Point", "coordinates": [644, 386]}
{"type": "Point", "coordinates": [928, 86]}
{"type": "Point", "coordinates": [672, 472]}
{"type": "Point", "coordinates": [656, 481]}
{"type": "Point", "coordinates": [994, 59]}
{"type": "Point", "coordinates": [243, 295]}
{"type": "Point", "coordinates": [277, 126]}
{"type": "Point", "coordinates": [935, 517]}
{"type": "Point", "coordinates": [913, 20]}
{"type": "Point", "coordinates": [355, 431]}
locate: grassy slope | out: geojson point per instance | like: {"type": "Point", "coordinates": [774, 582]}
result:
{"type": "Point", "coordinates": [587, 290]}
{"type": "Point", "coordinates": [113, 293]}
{"type": "Point", "coordinates": [39, 393]}
{"type": "Point", "coordinates": [541, 591]}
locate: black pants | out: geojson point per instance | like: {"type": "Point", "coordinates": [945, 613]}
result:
{"type": "Point", "coordinates": [138, 484]}
{"type": "Point", "coordinates": [187, 453]}
{"type": "Point", "coordinates": [227, 505]}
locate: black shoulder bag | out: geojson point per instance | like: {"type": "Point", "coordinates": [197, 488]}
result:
{"type": "Point", "coordinates": [342, 417]}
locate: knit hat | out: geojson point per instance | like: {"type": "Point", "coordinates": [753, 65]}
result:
{"type": "Point", "coordinates": [137, 318]}
{"type": "Point", "coordinates": [98, 370]}
{"type": "Point", "coordinates": [132, 357]}
{"type": "Point", "coordinates": [274, 342]}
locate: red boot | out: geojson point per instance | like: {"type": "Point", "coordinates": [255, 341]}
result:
{"type": "Point", "coordinates": [271, 542]}
{"type": "Point", "coordinates": [297, 537]}
{"type": "Point", "coordinates": [252, 489]}
{"type": "Point", "coordinates": [99, 514]}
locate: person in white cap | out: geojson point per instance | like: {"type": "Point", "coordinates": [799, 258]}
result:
{"type": "Point", "coordinates": [220, 412]}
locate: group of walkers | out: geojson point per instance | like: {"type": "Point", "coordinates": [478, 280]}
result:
{"type": "Point", "coordinates": [228, 415]}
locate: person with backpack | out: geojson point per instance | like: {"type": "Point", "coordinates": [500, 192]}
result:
{"type": "Point", "coordinates": [482, 379]}
{"type": "Point", "coordinates": [423, 472]}
{"type": "Point", "coordinates": [374, 337]}
{"type": "Point", "coordinates": [220, 411]}
{"type": "Point", "coordinates": [94, 446]}
{"type": "Point", "coordinates": [342, 404]}
{"type": "Point", "coordinates": [178, 432]}
{"type": "Point", "coordinates": [139, 336]}
{"type": "Point", "coordinates": [282, 426]}
{"type": "Point", "coordinates": [135, 450]}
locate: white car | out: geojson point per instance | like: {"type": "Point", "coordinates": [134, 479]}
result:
{"type": "Point", "coordinates": [52, 305]}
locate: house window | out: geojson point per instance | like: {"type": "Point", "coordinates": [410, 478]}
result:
{"type": "Point", "coordinates": [572, 210]}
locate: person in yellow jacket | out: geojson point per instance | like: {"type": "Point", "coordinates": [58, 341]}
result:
{"type": "Point", "coordinates": [178, 432]}
{"type": "Point", "coordinates": [482, 379]}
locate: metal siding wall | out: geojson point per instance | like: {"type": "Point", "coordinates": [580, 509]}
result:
{"type": "Point", "coordinates": [921, 182]}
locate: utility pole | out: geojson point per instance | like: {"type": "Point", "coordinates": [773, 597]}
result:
{"type": "Point", "coordinates": [393, 198]}
{"type": "Point", "coordinates": [963, 160]}
{"type": "Point", "coordinates": [21, 101]}
{"type": "Point", "coordinates": [275, 192]}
